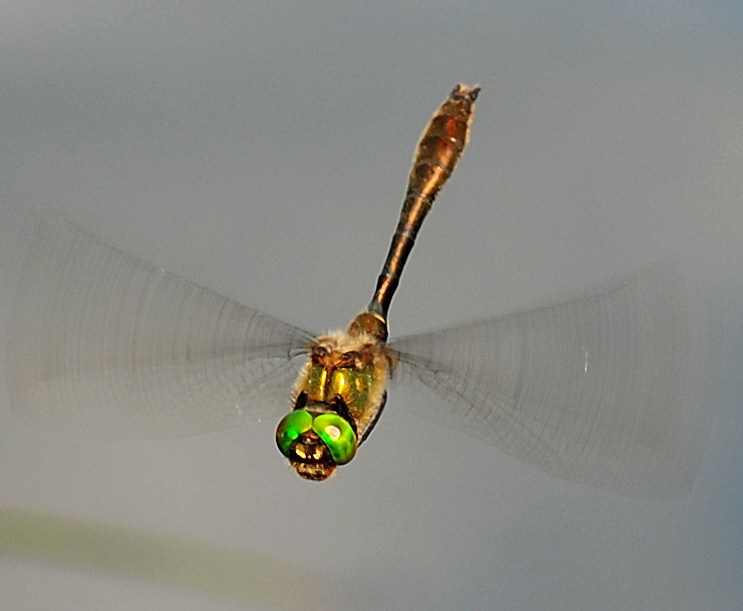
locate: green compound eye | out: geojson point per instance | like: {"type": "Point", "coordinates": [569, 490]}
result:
{"type": "Point", "coordinates": [335, 432]}
{"type": "Point", "coordinates": [291, 427]}
{"type": "Point", "coordinates": [337, 435]}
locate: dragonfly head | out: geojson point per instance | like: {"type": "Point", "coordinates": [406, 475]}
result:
{"type": "Point", "coordinates": [316, 442]}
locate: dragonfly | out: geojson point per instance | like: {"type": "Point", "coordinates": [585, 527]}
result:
{"type": "Point", "coordinates": [604, 388]}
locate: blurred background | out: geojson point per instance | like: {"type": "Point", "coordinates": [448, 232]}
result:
{"type": "Point", "coordinates": [261, 149]}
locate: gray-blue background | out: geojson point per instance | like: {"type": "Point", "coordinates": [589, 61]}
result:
{"type": "Point", "coordinates": [261, 148]}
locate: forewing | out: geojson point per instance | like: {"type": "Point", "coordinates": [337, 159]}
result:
{"type": "Point", "coordinates": [608, 389]}
{"type": "Point", "coordinates": [104, 345]}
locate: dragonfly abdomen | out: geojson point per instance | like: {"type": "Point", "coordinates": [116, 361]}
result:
{"type": "Point", "coordinates": [438, 152]}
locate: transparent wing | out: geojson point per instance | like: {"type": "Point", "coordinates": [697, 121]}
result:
{"type": "Point", "coordinates": [104, 345]}
{"type": "Point", "coordinates": [608, 389]}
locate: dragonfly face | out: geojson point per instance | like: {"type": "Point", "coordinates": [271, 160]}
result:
{"type": "Point", "coordinates": [339, 396]}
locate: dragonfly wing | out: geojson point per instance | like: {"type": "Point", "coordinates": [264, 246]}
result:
{"type": "Point", "coordinates": [104, 345]}
{"type": "Point", "coordinates": [608, 389]}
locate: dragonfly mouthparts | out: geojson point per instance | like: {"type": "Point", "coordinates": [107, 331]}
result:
{"type": "Point", "coordinates": [311, 458]}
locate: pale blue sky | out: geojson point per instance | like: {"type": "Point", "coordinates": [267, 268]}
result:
{"type": "Point", "coordinates": [261, 149]}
